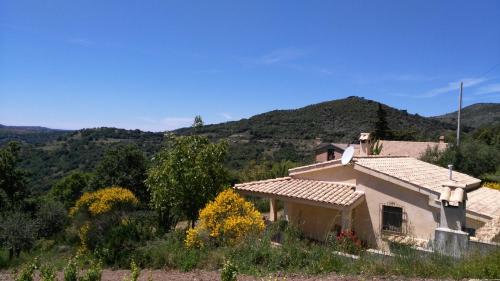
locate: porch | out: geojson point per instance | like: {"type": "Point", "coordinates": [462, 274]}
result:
{"type": "Point", "coordinates": [316, 207]}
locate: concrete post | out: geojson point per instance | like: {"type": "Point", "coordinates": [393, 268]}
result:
{"type": "Point", "coordinates": [273, 210]}
{"type": "Point", "coordinates": [346, 219]}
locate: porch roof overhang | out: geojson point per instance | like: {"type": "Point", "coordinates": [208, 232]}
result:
{"type": "Point", "coordinates": [311, 192]}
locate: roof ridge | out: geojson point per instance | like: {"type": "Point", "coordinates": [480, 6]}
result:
{"type": "Point", "coordinates": [263, 181]}
{"type": "Point", "coordinates": [384, 156]}
{"type": "Point", "coordinates": [320, 164]}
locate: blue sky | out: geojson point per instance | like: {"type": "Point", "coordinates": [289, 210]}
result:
{"type": "Point", "coordinates": [153, 65]}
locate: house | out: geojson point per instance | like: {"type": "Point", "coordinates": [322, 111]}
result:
{"type": "Point", "coordinates": [415, 149]}
{"type": "Point", "coordinates": [383, 199]}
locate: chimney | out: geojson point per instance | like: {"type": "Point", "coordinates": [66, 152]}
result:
{"type": "Point", "coordinates": [441, 139]}
{"type": "Point", "coordinates": [365, 144]}
{"type": "Point", "coordinates": [453, 204]}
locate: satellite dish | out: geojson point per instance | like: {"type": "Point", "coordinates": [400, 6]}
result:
{"type": "Point", "coordinates": [347, 155]}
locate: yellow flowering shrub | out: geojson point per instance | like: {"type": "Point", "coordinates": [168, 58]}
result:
{"type": "Point", "coordinates": [228, 219]}
{"type": "Point", "coordinates": [92, 213]}
{"type": "Point", "coordinates": [104, 200]}
{"type": "Point", "coordinates": [492, 185]}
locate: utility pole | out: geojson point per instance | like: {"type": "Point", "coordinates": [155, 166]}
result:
{"type": "Point", "coordinates": [459, 111]}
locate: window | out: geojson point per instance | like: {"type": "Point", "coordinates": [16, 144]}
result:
{"type": "Point", "coordinates": [330, 154]}
{"type": "Point", "coordinates": [392, 219]}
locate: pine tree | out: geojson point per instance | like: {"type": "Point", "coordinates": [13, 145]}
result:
{"type": "Point", "coordinates": [382, 130]}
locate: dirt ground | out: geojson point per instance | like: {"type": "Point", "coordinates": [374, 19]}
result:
{"type": "Point", "coordinates": [161, 275]}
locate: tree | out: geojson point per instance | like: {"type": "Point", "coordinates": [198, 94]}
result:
{"type": "Point", "coordinates": [52, 217]}
{"type": "Point", "coordinates": [185, 176]}
{"type": "Point", "coordinates": [12, 179]}
{"type": "Point", "coordinates": [68, 189]}
{"type": "Point", "coordinates": [382, 130]}
{"type": "Point", "coordinates": [123, 166]}
{"type": "Point", "coordinates": [18, 232]}
{"type": "Point", "coordinates": [198, 122]}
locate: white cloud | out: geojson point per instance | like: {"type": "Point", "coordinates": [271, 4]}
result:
{"type": "Point", "coordinates": [280, 56]}
{"type": "Point", "coordinates": [452, 86]}
{"type": "Point", "coordinates": [226, 115]}
{"type": "Point", "coordinates": [165, 124]}
{"type": "Point", "coordinates": [172, 123]}
{"type": "Point", "coordinates": [488, 89]}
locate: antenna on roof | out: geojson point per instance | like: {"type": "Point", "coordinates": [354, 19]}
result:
{"type": "Point", "coordinates": [347, 155]}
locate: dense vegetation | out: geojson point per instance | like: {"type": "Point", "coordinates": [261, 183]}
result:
{"type": "Point", "coordinates": [475, 116]}
{"type": "Point", "coordinates": [478, 154]}
{"type": "Point", "coordinates": [124, 209]}
{"type": "Point", "coordinates": [280, 135]}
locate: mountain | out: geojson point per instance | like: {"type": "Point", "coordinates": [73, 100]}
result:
{"type": "Point", "coordinates": [274, 136]}
{"type": "Point", "coordinates": [474, 116]}
{"type": "Point", "coordinates": [29, 134]}
{"type": "Point", "coordinates": [292, 134]}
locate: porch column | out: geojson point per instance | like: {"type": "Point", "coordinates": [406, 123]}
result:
{"type": "Point", "coordinates": [346, 219]}
{"type": "Point", "coordinates": [273, 210]}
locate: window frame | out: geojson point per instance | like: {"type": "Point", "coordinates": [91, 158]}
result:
{"type": "Point", "coordinates": [330, 154]}
{"type": "Point", "coordinates": [403, 219]}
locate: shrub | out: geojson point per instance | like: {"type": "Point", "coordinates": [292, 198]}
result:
{"type": "Point", "coordinates": [52, 217]}
{"type": "Point", "coordinates": [104, 200]}
{"type": "Point", "coordinates": [346, 241]}
{"type": "Point", "coordinates": [229, 272]}
{"type": "Point", "coordinates": [93, 273]}
{"type": "Point", "coordinates": [97, 212]}
{"type": "Point", "coordinates": [227, 220]}
{"type": "Point", "coordinates": [71, 271]}
{"type": "Point", "coordinates": [135, 271]}
{"type": "Point", "coordinates": [68, 189]}
{"type": "Point", "coordinates": [18, 232]}
{"type": "Point", "coordinates": [26, 273]}
{"type": "Point", "coordinates": [47, 273]}
{"type": "Point", "coordinates": [492, 185]}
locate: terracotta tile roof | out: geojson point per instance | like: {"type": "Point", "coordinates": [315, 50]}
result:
{"type": "Point", "coordinates": [490, 231]}
{"type": "Point", "coordinates": [339, 194]}
{"type": "Point", "coordinates": [485, 201]}
{"type": "Point", "coordinates": [415, 172]}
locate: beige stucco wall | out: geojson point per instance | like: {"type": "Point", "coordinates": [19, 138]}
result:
{"type": "Point", "coordinates": [314, 222]}
{"type": "Point", "coordinates": [323, 156]}
{"type": "Point", "coordinates": [473, 223]}
{"type": "Point", "coordinates": [422, 219]}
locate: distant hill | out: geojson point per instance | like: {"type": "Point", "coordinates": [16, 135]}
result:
{"type": "Point", "coordinates": [292, 134]}
{"type": "Point", "coordinates": [29, 134]}
{"type": "Point", "coordinates": [474, 116]}
{"type": "Point", "coordinates": [276, 135]}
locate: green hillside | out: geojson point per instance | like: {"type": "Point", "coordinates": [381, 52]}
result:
{"type": "Point", "coordinates": [475, 116]}
{"type": "Point", "coordinates": [29, 134]}
{"type": "Point", "coordinates": [292, 134]}
{"type": "Point", "coordinates": [274, 136]}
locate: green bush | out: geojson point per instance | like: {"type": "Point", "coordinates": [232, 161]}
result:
{"type": "Point", "coordinates": [229, 272]}
{"type": "Point", "coordinates": [93, 273]}
{"type": "Point", "coordinates": [135, 271]}
{"type": "Point", "coordinates": [52, 217]}
{"type": "Point", "coordinates": [71, 271]}
{"type": "Point", "coordinates": [18, 232]}
{"type": "Point", "coordinates": [170, 252]}
{"type": "Point", "coordinates": [26, 273]}
{"type": "Point", "coordinates": [48, 273]}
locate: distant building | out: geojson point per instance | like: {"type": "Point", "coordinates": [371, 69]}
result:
{"type": "Point", "coordinates": [415, 149]}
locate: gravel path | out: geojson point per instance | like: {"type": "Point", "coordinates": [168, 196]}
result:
{"type": "Point", "coordinates": [161, 275]}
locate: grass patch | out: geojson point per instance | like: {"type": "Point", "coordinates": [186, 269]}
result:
{"type": "Point", "coordinates": [259, 257]}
